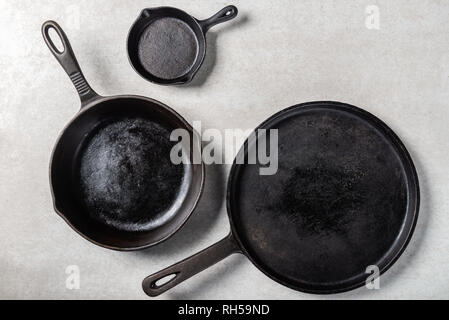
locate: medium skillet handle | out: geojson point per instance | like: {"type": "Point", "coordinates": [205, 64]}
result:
{"type": "Point", "coordinates": [68, 61]}
{"type": "Point", "coordinates": [226, 14]}
{"type": "Point", "coordinates": [189, 267]}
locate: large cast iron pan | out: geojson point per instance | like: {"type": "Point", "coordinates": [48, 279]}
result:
{"type": "Point", "coordinates": [346, 197]}
{"type": "Point", "coordinates": [168, 46]}
{"type": "Point", "coordinates": [111, 175]}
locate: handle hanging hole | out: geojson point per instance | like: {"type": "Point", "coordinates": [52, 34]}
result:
{"type": "Point", "coordinates": [163, 281]}
{"type": "Point", "coordinates": [55, 40]}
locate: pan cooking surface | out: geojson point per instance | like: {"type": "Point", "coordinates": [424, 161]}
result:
{"type": "Point", "coordinates": [168, 48]}
{"type": "Point", "coordinates": [126, 177]}
{"type": "Point", "coordinates": [335, 207]}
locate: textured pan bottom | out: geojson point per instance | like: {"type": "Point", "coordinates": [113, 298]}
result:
{"type": "Point", "coordinates": [168, 48]}
{"type": "Point", "coordinates": [335, 207]}
{"type": "Point", "coordinates": [126, 177]}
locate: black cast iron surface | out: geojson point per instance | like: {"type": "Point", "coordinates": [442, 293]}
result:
{"type": "Point", "coordinates": [126, 177]}
{"type": "Point", "coordinates": [168, 46]}
{"type": "Point", "coordinates": [345, 197]}
{"type": "Point", "coordinates": [336, 205]}
{"type": "Point", "coordinates": [111, 175]}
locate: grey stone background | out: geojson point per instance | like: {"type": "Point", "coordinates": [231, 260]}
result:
{"type": "Point", "coordinates": [276, 54]}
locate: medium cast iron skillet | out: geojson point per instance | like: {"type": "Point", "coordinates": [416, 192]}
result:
{"type": "Point", "coordinates": [168, 46]}
{"type": "Point", "coordinates": [111, 175]}
{"type": "Point", "coordinates": [345, 197]}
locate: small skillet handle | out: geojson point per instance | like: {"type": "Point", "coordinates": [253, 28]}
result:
{"type": "Point", "coordinates": [189, 267]}
{"type": "Point", "coordinates": [68, 61]}
{"type": "Point", "coordinates": [226, 14]}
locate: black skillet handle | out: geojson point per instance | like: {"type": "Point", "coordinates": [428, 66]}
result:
{"type": "Point", "coordinates": [226, 14]}
{"type": "Point", "coordinates": [189, 267]}
{"type": "Point", "coordinates": [68, 61]}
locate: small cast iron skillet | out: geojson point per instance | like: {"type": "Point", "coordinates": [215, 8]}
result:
{"type": "Point", "coordinates": [345, 197]}
{"type": "Point", "coordinates": [111, 175]}
{"type": "Point", "coordinates": [167, 46]}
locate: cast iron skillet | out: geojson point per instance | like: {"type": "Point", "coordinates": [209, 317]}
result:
{"type": "Point", "coordinates": [168, 46]}
{"type": "Point", "coordinates": [111, 175]}
{"type": "Point", "coordinates": [345, 197]}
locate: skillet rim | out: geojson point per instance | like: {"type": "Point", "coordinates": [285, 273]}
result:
{"type": "Point", "coordinates": [404, 237]}
{"type": "Point", "coordinates": [193, 24]}
{"type": "Point", "coordinates": [85, 108]}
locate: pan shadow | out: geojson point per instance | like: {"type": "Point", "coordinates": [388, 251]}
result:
{"type": "Point", "coordinates": [211, 52]}
{"type": "Point", "coordinates": [201, 221]}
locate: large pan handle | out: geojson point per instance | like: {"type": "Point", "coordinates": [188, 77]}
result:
{"type": "Point", "coordinates": [189, 267]}
{"type": "Point", "coordinates": [68, 61]}
{"type": "Point", "coordinates": [226, 14]}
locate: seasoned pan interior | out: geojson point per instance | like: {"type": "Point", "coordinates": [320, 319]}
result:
{"type": "Point", "coordinates": [112, 176]}
{"type": "Point", "coordinates": [168, 48]}
{"type": "Point", "coordinates": [344, 198]}
{"type": "Point", "coordinates": [126, 177]}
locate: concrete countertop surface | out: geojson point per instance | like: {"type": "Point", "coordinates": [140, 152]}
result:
{"type": "Point", "coordinates": [274, 55]}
